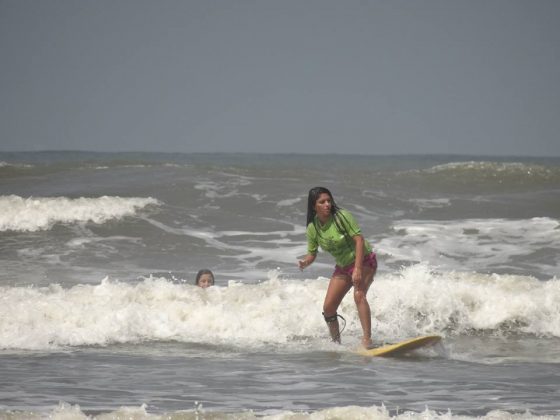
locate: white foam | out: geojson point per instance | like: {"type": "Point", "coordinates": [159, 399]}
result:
{"type": "Point", "coordinates": [473, 243]}
{"type": "Point", "coordinates": [413, 302]}
{"type": "Point", "coordinates": [14, 165]}
{"type": "Point", "coordinates": [506, 168]}
{"type": "Point", "coordinates": [41, 213]}
{"type": "Point", "coordinates": [281, 246]}
{"type": "Point", "coordinates": [431, 203]}
{"type": "Point", "coordinates": [223, 189]}
{"type": "Point", "coordinates": [374, 412]}
{"type": "Point", "coordinates": [156, 309]}
{"type": "Point", "coordinates": [288, 202]}
{"type": "Point", "coordinates": [420, 300]}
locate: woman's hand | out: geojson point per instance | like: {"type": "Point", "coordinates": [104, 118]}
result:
{"type": "Point", "coordinates": [357, 273]}
{"type": "Point", "coordinates": [307, 261]}
{"type": "Point", "coordinates": [357, 277]}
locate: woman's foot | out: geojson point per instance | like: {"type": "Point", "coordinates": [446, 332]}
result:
{"type": "Point", "coordinates": [367, 343]}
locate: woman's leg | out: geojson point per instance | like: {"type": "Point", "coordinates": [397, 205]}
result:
{"type": "Point", "coordinates": [338, 287]}
{"type": "Point", "coordinates": [360, 298]}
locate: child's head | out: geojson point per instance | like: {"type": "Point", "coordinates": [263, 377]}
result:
{"type": "Point", "coordinates": [204, 278]}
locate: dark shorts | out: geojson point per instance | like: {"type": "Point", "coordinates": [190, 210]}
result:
{"type": "Point", "coordinates": [370, 260]}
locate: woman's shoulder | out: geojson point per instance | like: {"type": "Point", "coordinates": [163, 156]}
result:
{"type": "Point", "coordinates": [346, 218]}
{"type": "Point", "coordinates": [344, 213]}
{"type": "Point", "coordinates": [311, 227]}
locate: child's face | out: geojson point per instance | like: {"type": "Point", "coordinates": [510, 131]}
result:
{"type": "Point", "coordinates": [205, 281]}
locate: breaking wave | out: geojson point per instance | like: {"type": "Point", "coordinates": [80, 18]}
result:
{"type": "Point", "coordinates": [416, 301]}
{"type": "Point", "coordinates": [42, 213]}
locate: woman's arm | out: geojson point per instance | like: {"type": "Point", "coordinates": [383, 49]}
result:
{"type": "Point", "coordinates": [357, 273]}
{"type": "Point", "coordinates": [307, 261]}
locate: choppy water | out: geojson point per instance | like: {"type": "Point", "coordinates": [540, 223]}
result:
{"type": "Point", "coordinates": [99, 316]}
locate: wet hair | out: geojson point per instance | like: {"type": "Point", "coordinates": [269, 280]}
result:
{"type": "Point", "coordinates": [203, 272]}
{"type": "Point", "coordinates": [338, 217]}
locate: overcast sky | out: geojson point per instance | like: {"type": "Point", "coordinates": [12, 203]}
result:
{"type": "Point", "coordinates": [309, 76]}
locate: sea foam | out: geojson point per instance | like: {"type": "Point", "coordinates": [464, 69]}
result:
{"type": "Point", "coordinates": [42, 213]}
{"type": "Point", "coordinates": [500, 171]}
{"type": "Point", "coordinates": [65, 411]}
{"type": "Point", "coordinates": [287, 313]}
{"type": "Point", "coordinates": [420, 300]}
{"type": "Point", "coordinates": [475, 243]}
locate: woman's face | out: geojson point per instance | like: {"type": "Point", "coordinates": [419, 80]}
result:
{"type": "Point", "coordinates": [205, 281]}
{"type": "Point", "coordinates": [323, 206]}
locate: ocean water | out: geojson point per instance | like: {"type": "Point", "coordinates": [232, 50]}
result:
{"type": "Point", "coordinates": [99, 317]}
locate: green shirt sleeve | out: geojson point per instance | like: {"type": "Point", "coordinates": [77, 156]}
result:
{"type": "Point", "coordinates": [312, 240]}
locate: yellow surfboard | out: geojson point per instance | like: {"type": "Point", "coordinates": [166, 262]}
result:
{"type": "Point", "coordinates": [402, 347]}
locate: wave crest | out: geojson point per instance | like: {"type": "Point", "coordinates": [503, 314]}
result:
{"type": "Point", "coordinates": [420, 301]}
{"type": "Point", "coordinates": [41, 213]}
{"type": "Point", "coordinates": [416, 301]}
{"type": "Point", "coordinates": [515, 172]}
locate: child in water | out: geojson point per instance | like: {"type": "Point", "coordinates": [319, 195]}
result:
{"type": "Point", "coordinates": [204, 278]}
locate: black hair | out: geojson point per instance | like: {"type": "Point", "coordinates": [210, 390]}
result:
{"type": "Point", "coordinates": [338, 217]}
{"type": "Point", "coordinates": [203, 272]}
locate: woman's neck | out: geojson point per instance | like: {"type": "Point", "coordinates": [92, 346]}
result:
{"type": "Point", "coordinates": [323, 220]}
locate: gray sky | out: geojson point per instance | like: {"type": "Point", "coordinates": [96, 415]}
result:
{"type": "Point", "coordinates": [324, 76]}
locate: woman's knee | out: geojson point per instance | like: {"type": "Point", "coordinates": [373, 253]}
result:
{"type": "Point", "coordinates": [360, 296]}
